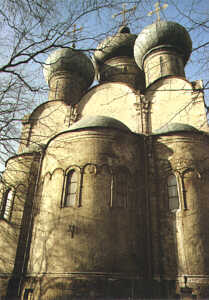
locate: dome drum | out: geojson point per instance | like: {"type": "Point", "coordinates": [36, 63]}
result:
{"type": "Point", "coordinates": [162, 45]}
{"type": "Point", "coordinates": [120, 44]}
{"type": "Point", "coordinates": [67, 69]}
{"type": "Point", "coordinates": [162, 61]}
{"type": "Point", "coordinates": [68, 87]}
{"type": "Point", "coordinates": [122, 69]}
{"type": "Point", "coordinates": [114, 59]}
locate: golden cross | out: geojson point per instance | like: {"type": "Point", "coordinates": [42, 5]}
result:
{"type": "Point", "coordinates": [157, 10]}
{"type": "Point", "coordinates": [123, 12]}
{"type": "Point", "coordinates": [74, 33]}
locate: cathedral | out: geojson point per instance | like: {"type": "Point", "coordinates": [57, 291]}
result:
{"type": "Point", "coordinates": [107, 197]}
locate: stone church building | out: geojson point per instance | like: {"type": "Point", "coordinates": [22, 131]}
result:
{"type": "Point", "coordinates": [107, 197]}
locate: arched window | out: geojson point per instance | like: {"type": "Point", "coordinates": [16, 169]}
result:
{"type": "Point", "coordinates": [28, 294]}
{"type": "Point", "coordinates": [121, 189]}
{"type": "Point", "coordinates": [173, 198]}
{"type": "Point", "coordinates": [120, 181]}
{"type": "Point", "coordinates": [7, 204]}
{"type": "Point", "coordinates": [71, 189]}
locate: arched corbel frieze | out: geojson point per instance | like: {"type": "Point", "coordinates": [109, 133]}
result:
{"type": "Point", "coordinates": [98, 178]}
{"type": "Point", "coordinates": [90, 169]}
{"type": "Point", "coordinates": [189, 181]}
{"type": "Point", "coordinates": [44, 185]}
{"type": "Point", "coordinates": [46, 176]}
{"type": "Point", "coordinates": [116, 183]}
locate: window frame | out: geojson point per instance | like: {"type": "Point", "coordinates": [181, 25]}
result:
{"type": "Point", "coordinates": [67, 174]}
{"type": "Point", "coordinates": [177, 196]}
{"type": "Point", "coordinates": [28, 294]}
{"type": "Point", "coordinates": [4, 204]}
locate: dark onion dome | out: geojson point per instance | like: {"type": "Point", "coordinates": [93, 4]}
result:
{"type": "Point", "coordinates": [174, 127]}
{"type": "Point", "coordinates": [99, 121]}
{"type": "Point", "coordinates": [162, 33]}
{"type": "Point", "coordinates": [69, 60]}
{"type": "Point", "coordinates": [120, 44]}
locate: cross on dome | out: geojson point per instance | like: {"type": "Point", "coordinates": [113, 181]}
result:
{"type": "Point", "coordinates": [157, 10]}
{"type": "Point", "coordinates": [73, 32]}
{"type": "Point", "coordinates": [123, 13]}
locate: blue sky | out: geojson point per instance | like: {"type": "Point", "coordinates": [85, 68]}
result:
{"type": "Point", "coordinates": [189, 13]}
{"type": "Point", "coordinates": [98, 24]}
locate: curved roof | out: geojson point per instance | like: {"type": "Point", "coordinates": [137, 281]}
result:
{"type": "Point", "coordinates": [174, 127]}
{"type": "Point", "coordinates": [120, 44]}
{"type": "Point", "coordinates": [69, 60]}
{"type": "Point", "coordinates": [162, 33]}
{"type": "Point", "coordinates": [99, 121]}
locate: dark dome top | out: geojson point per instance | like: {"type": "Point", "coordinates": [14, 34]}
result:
{"type": "Point", "coordinates": [173, 127]}
{"type": "Point", "coordinates": [124, 29]}
{"type": "Point", "coordinates": [70, 60]}
{"type": "Point", "coordinates": [99, 121]}
{"type": "Point", "coordinates": [120, 44]}
{"type": "Point", "coordinates": [162, 33]}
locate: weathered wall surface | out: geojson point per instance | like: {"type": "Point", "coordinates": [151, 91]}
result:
{"type": "Point", "coordinates": [20, 176]}
{"type": "Point", "coordinates": [176, 100]}
{"type": "Point", "coordinates": [108, 237]}
{"type": "Point", "coordinates": [122, 69]}
{"type": "Point", "coordinates": [46, 120]}
{"type": "Point", "coordinates": [184, 238]}
{"type": "Point", "coordinates": [116, 100]}
{"type": "Point", "coordinates": [162, 63]}
{"type": "Point", "coordinates": [66, 87]}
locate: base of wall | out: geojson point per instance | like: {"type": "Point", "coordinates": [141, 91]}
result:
{"type": "Point", "coordinates": [99, 286]}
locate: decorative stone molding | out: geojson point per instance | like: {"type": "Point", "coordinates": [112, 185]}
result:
{"type": "Point", "coordinates": [181, 165]}
{"type": "Point", "coordinates": [74, 115]}
{"type": "Point", "coordinates": [90, 169]}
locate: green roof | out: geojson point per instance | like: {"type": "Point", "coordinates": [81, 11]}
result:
{"type": "Point", "coordinates": [69, 60]}
{"type": "Point", "coordinates": [162, 33]}
{"type": "Point", "coordinates": [121, 44]}
{"type": "Point", "coordinates": [174, 127]}
{"type": "Point", "coordinates": [99, 121]}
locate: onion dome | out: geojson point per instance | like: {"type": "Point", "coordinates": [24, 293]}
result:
{"type": "Point", "coordinates": [70, 61]}
{"type": "Point", "coordinates": [174, 127]}
{"type": "Point", "coordinates": [162, 34]}
{"type": "Point", "coordinates": [99, 121]}
{"type": "Point", "coordinates": [120, 44]}
{"type": "Point", "coordinates": [114, 60]}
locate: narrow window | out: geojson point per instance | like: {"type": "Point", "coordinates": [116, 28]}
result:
{"type": "Point", "coordinates": [122, 190]}
{"type": "Point", "coordinates": [71, 189]}
{"type": "Point", "coordinates": [173, 198]}
{"type": "Point", "coordinates": [121, 187]}
{"type": "Point", "coordinates": [28, 294]}
{"type": "Point", "coordinates": [7, 204]}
